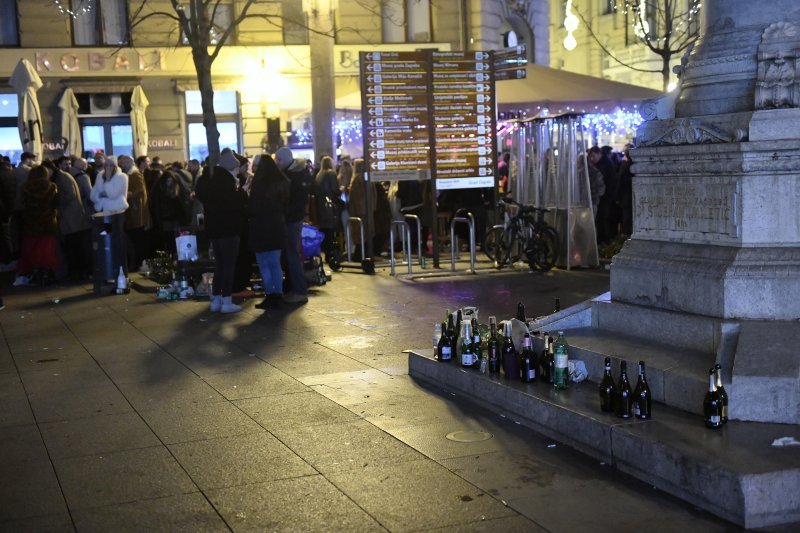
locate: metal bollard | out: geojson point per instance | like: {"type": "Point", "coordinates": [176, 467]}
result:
{"type": "Point", "coordinates": [415, 218]}
{"type": "Point", "coordinates": [349, 240]}
{"type": "Point", "coordinates": [470, 221]}
{"type": "Point", "coordinates": [405, 233]}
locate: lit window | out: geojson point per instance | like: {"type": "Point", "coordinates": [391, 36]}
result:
{"type": "Point", "coordinates": [226, 108]}
{"type": "Point", "coordinates": [101, 22]}
{"type": "Point", "coordinates": [10, 144]}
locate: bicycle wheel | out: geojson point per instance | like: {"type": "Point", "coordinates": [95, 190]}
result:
{"type": "Point", "coordinates": [542, 251]}
{"type": "Point", "coordinates": [509, 247]}
{"type": "Point", "coordinates": [490, 242]}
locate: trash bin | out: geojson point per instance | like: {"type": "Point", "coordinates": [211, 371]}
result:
{"type": "Point", "coordinates": [108, 245]}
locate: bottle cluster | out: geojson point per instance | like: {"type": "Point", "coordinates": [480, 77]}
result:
{"type": "Point", "coordinates": [458, 339]}
{"type": "Point", "coordinates": [494, 352]}
{"type": "Point", "coordinates": [618, 398]}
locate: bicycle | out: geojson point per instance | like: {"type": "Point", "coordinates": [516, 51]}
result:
{"type": "Point", "coordinates": [525, 232]}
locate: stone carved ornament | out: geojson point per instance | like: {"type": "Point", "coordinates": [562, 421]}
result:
{"type": "Point", "coordinates": [690, 131]}
{"type": "Point", "coordinates": [778, 83]}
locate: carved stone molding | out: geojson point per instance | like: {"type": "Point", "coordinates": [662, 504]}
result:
{"type": "Point", "coordinates": [689, 131]}
{"type": "Point", "coordinates": [778, 78]}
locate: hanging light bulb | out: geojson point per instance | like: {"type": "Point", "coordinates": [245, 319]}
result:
{"type": "Point", "coordinates": [571, 25]}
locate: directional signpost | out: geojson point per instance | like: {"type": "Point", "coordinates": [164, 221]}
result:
{"type": "Point", "coordinates": [431, 115]}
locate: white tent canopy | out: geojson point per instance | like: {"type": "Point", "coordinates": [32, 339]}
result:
{"type": "Point", "coordinates": [26, 82]}
{"type": "Point", "coordinates": [562, 91]}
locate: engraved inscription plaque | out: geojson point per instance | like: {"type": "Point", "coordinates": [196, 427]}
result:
{"type": "Point", "coordinates": [688, 210]}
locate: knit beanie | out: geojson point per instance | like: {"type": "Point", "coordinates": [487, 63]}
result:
{"type": "Point", "coordinates": [284, 157]}
{"type": "Point", "coordinates": [228, 161]}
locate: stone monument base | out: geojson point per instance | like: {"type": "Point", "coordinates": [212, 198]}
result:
{"type": "Point", "coordinates": [761, 370]}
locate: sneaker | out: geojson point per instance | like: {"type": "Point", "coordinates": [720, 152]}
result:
{"type": "Point", "coordinates": [293, 298]}
{"type": "Point", "coordinates": [22, 281]}
{"type": "Point", "coordinates": [216, 304]}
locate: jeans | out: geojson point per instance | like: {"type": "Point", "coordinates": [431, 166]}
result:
{"type": "Point", "coordinates": [294, 263]}
{"type": "Point", "coordinates": [269, 263]}
{"type": "Point", "coordinates": [226, 250]}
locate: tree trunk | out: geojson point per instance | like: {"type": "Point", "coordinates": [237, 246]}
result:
{"type": "Point", "coordinates": [202, 63]}
{"type": "Point", "coordinates": [665, 70]}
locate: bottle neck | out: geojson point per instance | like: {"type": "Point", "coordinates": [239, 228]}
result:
{"type": "Point", "coordinates": [712, 383]}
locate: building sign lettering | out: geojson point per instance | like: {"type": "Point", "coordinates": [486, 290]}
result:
{"type": "Point", "coordinates": [121, 61]}
{"type": "Point", "coordinates": [162, 143]}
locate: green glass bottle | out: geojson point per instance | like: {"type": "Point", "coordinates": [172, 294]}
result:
{"type": "Point", "coordinates": [561, 367]}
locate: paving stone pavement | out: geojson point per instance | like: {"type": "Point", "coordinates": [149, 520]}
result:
{"type": "Point", "coordinates": [123, 413]}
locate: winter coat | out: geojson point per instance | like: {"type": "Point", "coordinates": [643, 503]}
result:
{"type": "Point", "coordinates": [301, 182]}
{"type": "Point", "coordinates": [165, 197]}
{"type": "Point", "coordinates": [85, 187]}
{"type": "Point", "coordinates": [138, 214]}
{"type": "Point", "coordinates": [326, 192]}
{"type": "Point", "coordinates": [71, 216]}
{"type": "Point", "coordinates": [266, 211]}
{"type": "Point", "coordinates": [110, 195]}
{"type": "Point", "coordinates": [357, 205]}
{"type": "Point", "coordinates": [223, 202]}
{"type": "Point", "coordinates": [39, 214]}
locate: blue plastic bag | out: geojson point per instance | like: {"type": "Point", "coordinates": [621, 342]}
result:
{"type": "Point", "coordinates": [312, 240]}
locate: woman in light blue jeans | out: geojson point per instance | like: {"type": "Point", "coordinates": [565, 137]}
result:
{"type": "Point", "coordinates": [269, 194]}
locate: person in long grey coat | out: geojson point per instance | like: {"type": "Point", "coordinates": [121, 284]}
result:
{"type": "Point", "coordinates": [71, 218]}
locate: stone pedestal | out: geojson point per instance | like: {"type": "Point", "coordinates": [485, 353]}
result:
{"type": "Point", "coordinates": [717, 198]}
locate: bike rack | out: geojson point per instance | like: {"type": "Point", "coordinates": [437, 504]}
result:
{"type": "Point", "coordinates": [415, 218]}
{"type": "Point", "coordinates": [469, 219]}
{"type": "Point", "coordinates": [405, 234]}
{"type": "Point", "coordinates": [348, 238]}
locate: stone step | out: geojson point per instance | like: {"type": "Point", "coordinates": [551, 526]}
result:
{"type": "Point", "coordinates": [677, 376]}
{"type": "Point", "coordinates": [733, 472]}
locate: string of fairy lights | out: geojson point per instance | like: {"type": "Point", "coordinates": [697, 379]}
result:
{"type": "Point", "coordinates": [81, 7]}
{"type": "Point", "coordinates": [619, 123]}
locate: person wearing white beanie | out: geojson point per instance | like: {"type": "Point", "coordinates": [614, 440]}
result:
{"type": "Point", "coordinates": [224, 204]}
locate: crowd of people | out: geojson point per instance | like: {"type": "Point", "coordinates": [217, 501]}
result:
{"type": "Point", "coordinates": [252, 212]}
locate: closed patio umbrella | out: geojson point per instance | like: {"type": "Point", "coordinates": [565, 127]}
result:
{"type": "Point", "coordinates": [139, 105]}
{"type": "Point", "coordinates": [26, 82]}
{"type": "Point", "coordinates": [70, 129]}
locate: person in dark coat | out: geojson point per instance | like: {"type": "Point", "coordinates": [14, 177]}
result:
{"type": "Point", "coordinates": [38, 259]}
{"type": "Point", "coordinates": [72, 222]}
{"type": "Point", "coordinates": [266, 210]}
{"type": "Point", "coordinates": [300, 185]}
{"type": "Point", "coordinates": [224, 204]}
{"type": "Point", "coordinates": [327, 196]}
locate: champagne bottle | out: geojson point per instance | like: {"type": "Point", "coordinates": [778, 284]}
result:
{"type": "Point", "coordinates": [712, 404]}
{"type": "Point", "coordinates": [550, 371]}
{"type": "Point", "coordinates": [624, 399]}
{"type": "Point", "coordinates": [521, 312]}
{"type": "Point", "coordinates": [466, 353]}
{"type": "Point", "coordinates": [528, 361]}
{"type": "Point", "coordinates": [451, 328]}
{"type": "Point", "coordinates": [561, 366]}
{"type": "Point", "coordinates": [444, 351]}
{"type": "Point", "coordinates": [642, 397]}
{"type": "Point", "coordinates": [477, 345]}
{"type": "Point", "coordinates": [510, 361]}
{"type": "Point", "coordinates": [723, 395]}
{"type": "Point", "coordinates": [608, 391]}
{"type": "Point", "coordinates": [437, 335]}
{"type": "Point", "coordinates": [493, 347]}
{"type": "Point", "coordinates": [543, 370]}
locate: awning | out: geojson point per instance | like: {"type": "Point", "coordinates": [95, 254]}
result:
{"type": "Point", "coordinates": [70, 128]}
{"type": "Point", "coordinates": [26, 82]}
{"type": "Point", "coordinates": [562, 91]}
